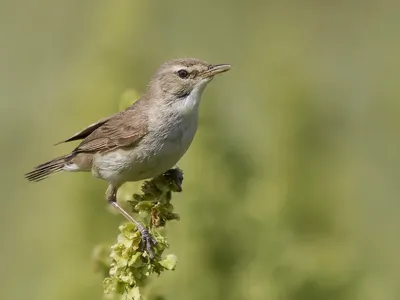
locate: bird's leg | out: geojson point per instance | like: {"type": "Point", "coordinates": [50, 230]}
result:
{"type": "Point", "coordinates": [148, 241]}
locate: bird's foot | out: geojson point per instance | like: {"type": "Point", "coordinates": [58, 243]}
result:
{"type": "Point", "coordinates": [176, 177]}
{"type": "Point", "coordinates": [148, 242]}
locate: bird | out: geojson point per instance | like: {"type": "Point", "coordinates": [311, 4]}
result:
{"type": "Point", "coordinates": [146, 139]}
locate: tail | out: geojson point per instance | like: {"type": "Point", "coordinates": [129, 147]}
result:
{"type": "Point", "coordinates": [53, 166]}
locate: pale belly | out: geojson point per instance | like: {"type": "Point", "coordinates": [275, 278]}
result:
{"type": "Point", "coordinates": [153, 156]}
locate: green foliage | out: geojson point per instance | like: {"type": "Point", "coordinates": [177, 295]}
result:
{"type": "Point", "coordinates": [127, 266]}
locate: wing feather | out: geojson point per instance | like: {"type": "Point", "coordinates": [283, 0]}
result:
{"type": "Point", "coordinates": [122, 130]}
{"type": "Point", "coordinates": [87, 131]}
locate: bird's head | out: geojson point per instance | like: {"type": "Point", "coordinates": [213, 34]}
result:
{"type": "Point", "coordinates": [182, 78]}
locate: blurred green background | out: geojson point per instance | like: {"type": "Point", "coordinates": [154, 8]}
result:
{"type": "Point", "coordinates": [291, 186]}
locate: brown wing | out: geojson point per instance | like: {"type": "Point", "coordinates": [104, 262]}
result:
{"type": "Point", "coordinates": [122, 130]}
{"type": "Point", "coordinates": [87, 131]}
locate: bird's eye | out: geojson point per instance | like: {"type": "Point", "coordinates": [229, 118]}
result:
{"type": "Point", "coordinates": [183, 73]}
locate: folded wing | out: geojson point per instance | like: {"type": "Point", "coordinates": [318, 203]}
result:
{"type": "Point", "coordinates": [87, 131]}
{"type": "Point", "coordinates": [121, 130]}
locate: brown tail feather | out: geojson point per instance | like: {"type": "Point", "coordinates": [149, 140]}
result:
{"type": "Point", "coordinates": [44, 170]}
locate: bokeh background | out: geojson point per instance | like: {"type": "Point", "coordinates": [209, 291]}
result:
{"type": "Point", "coordinates": [291, 186]}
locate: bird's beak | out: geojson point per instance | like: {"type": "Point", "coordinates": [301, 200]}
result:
{"type": "Point", "coordinates": [216, 69]}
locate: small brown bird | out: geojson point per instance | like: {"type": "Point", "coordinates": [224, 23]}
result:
{"type": "Point", "coordinates": [146, 139]}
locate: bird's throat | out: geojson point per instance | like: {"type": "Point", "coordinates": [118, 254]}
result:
{"type": "Point", "coordinates": [190, 103]}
